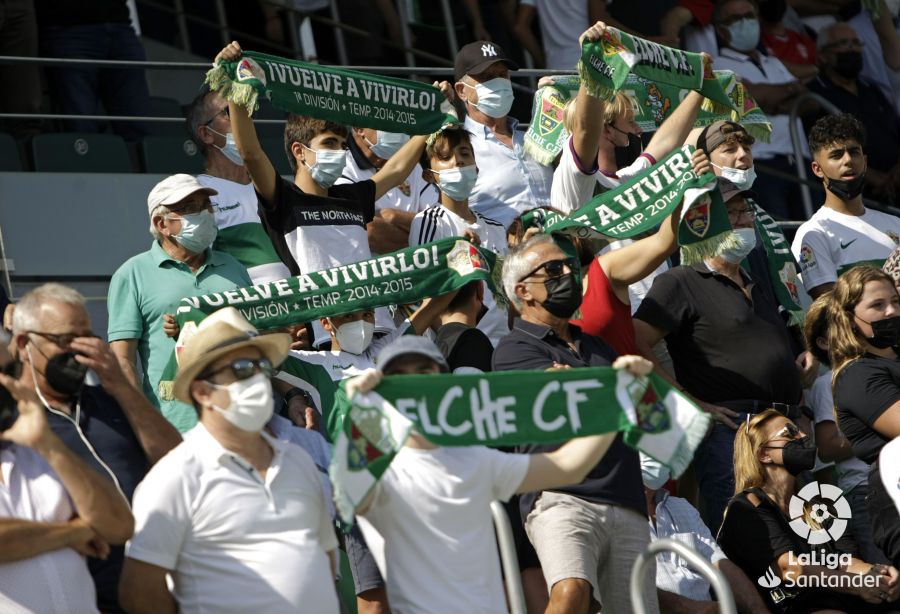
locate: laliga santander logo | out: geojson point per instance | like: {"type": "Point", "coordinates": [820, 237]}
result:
{"type": "Point", "coordinates": [824, 502]}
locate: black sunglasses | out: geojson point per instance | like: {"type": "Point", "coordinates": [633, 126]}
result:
{"type": "Point", "coordinates": [244, 368]}
{"type": "Point", "coordinates": [555, 268]}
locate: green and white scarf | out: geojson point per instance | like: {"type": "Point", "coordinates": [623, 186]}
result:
{"type": "Point", "coordinates": [653, 103]}
{"type": "Point", "coordinates": [781, 264]}
{"type": "Point", "coordinates": [344, 96]}
{"type": "Point", "coordinates": [401, 277]}
{"type": "Point", "coordinates": [504, 409]}
{"type": "Point", "coordinates": [606, 63]}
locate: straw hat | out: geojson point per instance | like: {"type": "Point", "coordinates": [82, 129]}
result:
{"type": "Point", "coordinates": [222, 332]}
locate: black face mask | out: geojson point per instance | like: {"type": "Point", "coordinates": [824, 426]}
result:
{"type": "Point", "coordinates": [885, 332]}
{"type": "Point", "coordinates": [798, 455]}
{"type": "Point", "coordinates": [65, 374]}
{"type": "Point", "coordinates": [563, 295]}
{"type": "Point", "coordinates": [848, 64]}
{"type": "Point", "coordinates": [847, 190]}
{"type": "Point", "coordinates": [625, 156]}
{"type": "Point", "coordinates": [772, 11]}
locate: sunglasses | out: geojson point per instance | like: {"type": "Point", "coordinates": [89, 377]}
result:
{"type": "Point", "coordinates": [62, 340]}
{"type": "Point", "coordinates": [790, 431]}
{"type": "Point", "coordinates": [244, 368]}
{"type": "Point", "coordinates": [554, 268]}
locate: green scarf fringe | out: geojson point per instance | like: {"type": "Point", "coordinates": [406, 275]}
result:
{"type": "Point", "coordinates": [591, 86]}
{"type": "Point", "coordinates": [241, 94]}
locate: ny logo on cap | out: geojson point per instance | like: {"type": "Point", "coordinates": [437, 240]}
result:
{"type": "Point", "coordinates": [488, 49]}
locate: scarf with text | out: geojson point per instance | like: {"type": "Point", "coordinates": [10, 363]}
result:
{"type": "Point", "coordinates": [401, 277]}
{"type": "Point", "coordinates": [344, 96]}
{"type": "Point", "coordinates": [606, 63]}
{"type": "Point", "coordinates": [506, 409]}
{"type": "Point", "coordinates": [653, 103]}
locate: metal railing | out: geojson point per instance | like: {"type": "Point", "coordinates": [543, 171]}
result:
{"type": "Point", "coordinates": [720, 586]}
{"type": "Point", "coordinates": [508, 559]}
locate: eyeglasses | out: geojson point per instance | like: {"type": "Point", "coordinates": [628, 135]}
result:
{"type": "Point", "coordinates": [748, 214]}
{"type": "Point", "coordinates": [853, 43]}
{"type": "Point", "coordinates": [554, 268]}
{"type": "Point", "coordinates": [62, 340]}
{"type": "Point", "coordinates": [790, 431]}
{"type": "Point", "coordinates": [224, 112]}
{"type": "Point", "coordinates": [244, 368]}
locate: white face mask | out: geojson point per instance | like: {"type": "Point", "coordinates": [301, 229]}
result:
{"type": "Point", "coordinates": [746, 238]}
{"type": "Point", "coordinates": [653, 473]}
{"type": "Point", "coordinates": [387, 143]}
{"type": "Point", "coordinates": [742, 178]}
{"type": "Point", "coordinates": [252, 403]}
{"type": "Point", "coordinates": [354, 337]}
{"type": "Point", "coordinates": [230, 149]}
{"type": "Point", "coordinates": [495, 97]}
{"type": "Point", "coordinates": [328, 166]}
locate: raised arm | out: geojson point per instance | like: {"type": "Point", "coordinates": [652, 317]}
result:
{"type": "Point", "coordinates": [588, 120]}
{"type": "Point", "coordinates": [96, 499]}
{"type": "Point", "coordinates": [255, 159]}
{"type": "Point", "coordinates": [431, 308]}
{"type": "Point", "coordinates": [397, 169]}
{"type": "Point", "coordinates": [675, 129]}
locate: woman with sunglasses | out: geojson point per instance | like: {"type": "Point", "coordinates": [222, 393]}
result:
{"type": "Point", "coordinates": [863, 339]}
{"type": "Point", "coordinates": [759, 535]}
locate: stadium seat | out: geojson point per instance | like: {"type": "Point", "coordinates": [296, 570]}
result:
{"type": "Point", "coordinates": [73, 152]}
{"type": "Point", "coordinates": [171, 154]}
{"type": "Point", "coordinates": [160, 106]}
{"type": "Point", "coordinates": [10, 161]}
{"type": "Point", "coordinates": [274, 148]}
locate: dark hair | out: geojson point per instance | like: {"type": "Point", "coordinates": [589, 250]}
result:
{"type": "Point", "coordinates": [719, 6]}
{"type": "Point", "coordinates": [196, 115]}
{"type": "Point", "coordinates": [303, 129]}
{"type": "Point", "coordinates": [443, 145]}
{"type": "Point", "coordinates": [464, 295]}
{"type": "Point", "coordinates": [836, 129]}
{"type": "Point", "coordinates": [816, 327]}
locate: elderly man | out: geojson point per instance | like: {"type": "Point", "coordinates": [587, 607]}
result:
{"type": "Point", "coordinates": [513, 183]}
{"type": "Point", "coordinates": [149, 286]}
{"type": "Point", "coordinates": [587, 536]}
{"type": "Point", "coordinates": [841, 61]}
{"type": "Point", "coordinates": [238, 518]}
{"type": "Point", "coordinates": [773, 87]}
{"type": "Point", "coordinates": [235, 205]}
{"type": "Point", "coordinates": [729, 346]}
{"type": "Point", "coordinates": [54, 511]}
{"type": "Point", "coordinates": [103, 418]}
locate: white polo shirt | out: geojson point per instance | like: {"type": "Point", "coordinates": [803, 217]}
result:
{"type": "Point", "coordinates": [54, 581]}
{"type": "Point", "coordinates": [829, 243]}
{"type": "Point", "coordinates": [236, 542]}
{"type": "Point", "coordinates": [770, 71]}
{"type": "Point", "coordinates": [509, 182]}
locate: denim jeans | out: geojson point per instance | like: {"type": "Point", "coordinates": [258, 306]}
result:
{"type": "Point", "coordinates": [79, 90]}
{"type": "Point", "coordinates": [714, 468]}
{"type": "Point", "coordinates": [861, 525]}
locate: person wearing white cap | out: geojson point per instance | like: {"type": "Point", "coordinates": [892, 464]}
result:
{"type": "Point", "coordinates": [236, 517]}
{"type": "Point", "coordinates": [150, 285]}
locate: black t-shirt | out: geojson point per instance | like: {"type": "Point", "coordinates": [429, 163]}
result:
{"type": "Point", "coordinates": [616, 479]}
{"type": "Point", "coordinates": [464, 346]}
{"type": "Point", "coordinates": [724, 347]}
{"type": "Point", "coordinates": [863, 391]}
{"type": "Point", "coordinates": [311, 232]}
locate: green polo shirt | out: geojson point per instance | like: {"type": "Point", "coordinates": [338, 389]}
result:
{"type": "Point", "coordinates": [149, 285]}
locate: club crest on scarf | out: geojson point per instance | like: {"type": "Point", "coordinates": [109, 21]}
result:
{"type": "Point", "coordinates": [370, 437]}
{"type": "Point", "coordinates": [465, 259]}
{"type": "Point", "coordinates": [697, 218]}
{"type": "Point", "coordinates": [248, 69]}
{"type": "Point", "coordinates": [657, 103]}
{"type": "Point", "coordinates": [652, 415]}
{"type": "Point", "coordinates": [789, 279]}
{"type": "Point", "coordinates": [551, 117]}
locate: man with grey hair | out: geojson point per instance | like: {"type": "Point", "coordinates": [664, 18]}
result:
{"type": "Point", "coordinates": [89, 403]}
{"type": "Point", "coordinates": [587, 536]}
{"type": "Point", "coordinates": [840, 82]}
{"type": "Point", "coordinates": [149, 286]}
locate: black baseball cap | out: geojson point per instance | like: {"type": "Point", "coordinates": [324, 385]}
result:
{"type": "Point", "coordinates": [476, 57]}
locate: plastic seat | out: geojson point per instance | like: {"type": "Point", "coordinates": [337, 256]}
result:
{"type": "Point", "coordinates": [274, 148]}
{"type": "Point", "coordinates": [73, 152]}
{"type": "Point", "coordinates": [171, 154]}
{"type": "Point", "coordinates": [10, 161]}
{"type": "Point", "coordinates": [160, 106]}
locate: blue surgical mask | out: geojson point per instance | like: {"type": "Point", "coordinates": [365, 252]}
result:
{"type": "Point", "coordinates": [457, 183]}
{"type": "Point", "coordinates": [329, 165]}
{"type": "Point", "coordinates": [388, 143]}
{"type": "Point", "coordinates": [230, 149]}
{"type": "Point", "coordinates": [746, 241]}
{"type": "Point", "coordinates": [653, 473]}
{"type": "Point", "coordinates": [744, 35]}
{"type": "Point", "coordinates": [742, 178]}
{"type": "Point", "coordinates": [198, 231]}
{"type": "Point", "coordinates": [495, 97]}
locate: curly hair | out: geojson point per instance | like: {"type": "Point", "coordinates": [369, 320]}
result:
{"type": "Point", "coordinates": [836, 129]}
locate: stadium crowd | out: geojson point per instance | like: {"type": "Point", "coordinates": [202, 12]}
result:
{"type": "Point", "coordinates": [123, 490]}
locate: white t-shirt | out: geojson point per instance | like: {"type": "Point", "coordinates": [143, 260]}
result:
{"type": "Point", "coordinates": [241, 232]}
{"type": "Point", "coordinates": [558, 20]}
{"type": "Point", "coordinates": [889, 468]}
{"type": "Point", "coordinates": [829, 243]}
{"type": "Point", "coordinates": [236, 542]}
{"type": "Point", "coordinates": [429, 528]}
{"type": "Point", "coordinates": [438, 222]}
{"type": "Point", "coordinates": [851, 472]}
{"type": "Point", "coordinates": [412, 196]}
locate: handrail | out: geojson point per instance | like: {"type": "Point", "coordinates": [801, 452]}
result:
{"type": "Point", "coordinates": [724, 596]}
{"type": "Point", "coordinates": [798, 150]}
{"type": "Point", "coordinates": [508, 559]}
